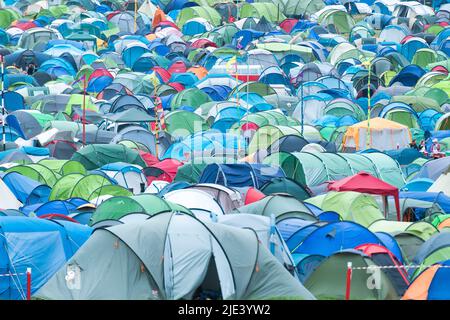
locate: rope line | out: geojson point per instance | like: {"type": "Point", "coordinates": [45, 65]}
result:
{"type": "Point", "coordinates": [399, 267]}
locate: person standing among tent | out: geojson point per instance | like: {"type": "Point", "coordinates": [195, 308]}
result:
{"type": "Point", "coordinates": [436, 149]}
{"type": "Point", "coordinates": [414, 145]}
{"type": "Point", "coordinates": [31, 69]}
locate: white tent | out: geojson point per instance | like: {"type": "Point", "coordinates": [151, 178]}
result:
{"type": "Point", "coordinates": [442, 184]}
{"type": "Point", "coordinates": [7, 198]}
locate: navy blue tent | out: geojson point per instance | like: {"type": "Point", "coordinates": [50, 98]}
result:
{"type": "Point", "coordinates": [42, 245]}
{"type": "Point", "coordinates": [240, 174]}
{"type": "Point", "coordinates": [26, 190]}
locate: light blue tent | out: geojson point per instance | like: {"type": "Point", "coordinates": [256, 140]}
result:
{"type": "Point", "coordinates": [39, 244]}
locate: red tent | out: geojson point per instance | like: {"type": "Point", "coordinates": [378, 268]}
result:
{"type": "Point", "coordinates": [365, 183]}
{"type": "Point", "coordinates": [253, 195]}
{"type": "Point", "coordinates": [148, 158]}
{"type": "Point", "coordinates": [165, 170]}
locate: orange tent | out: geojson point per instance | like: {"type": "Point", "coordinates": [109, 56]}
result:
{"type": "Point", "coordinates": [200, 72]}
{"type": "Point", "coordinates": [158, 17]}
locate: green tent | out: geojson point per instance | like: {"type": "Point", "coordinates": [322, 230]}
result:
{"type": "Point", "coordinates": [63, 167]}
{"type": "Point", "coordinates": [315, 169]}
{"type": "Point", "coordinates": [97, 155]}
{"type": "Point", "coordinates": [281, 206]}
{"type": "Point", "coordinates": [295, 8]}
{"type": "Point", "coordinates": [181, 123]}
{"type": "Point", "coordinates": [352, 206]}
{"type": "Point", "coordinates": [116, 208]}
{"type": "Point", "coordinates": [77, 185]}
{"type": "Point", "coordinates": [340, 20]}
{"type": "Point", "coordinates": [286, 186]}
{"type": "Point", "coordinates": [208, 13]}
{"type": "Point", "coordinates": [134, 261]}
{"type": "Point", "coordinates": [192, 97]}
{"type": "Point", "coordinates": [329, 280]}
{"type": "Point", "coordinates": [37, 172]}
{"type": "Point", "coordinates": [269, 10]}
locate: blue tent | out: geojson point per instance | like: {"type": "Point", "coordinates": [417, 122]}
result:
{"type": "Point", "coordinates": [441, 199]}
{"type": "Point", "coordinates": [391, 244]}
{"type": "Point", "coordinates": [26, 190]}
{"type": "Point", "coordinates": [434, 168]}
{"type": "Point", "coordinates": [408, 76]}
{"type": "Point", "coordinates": [421, 185]}
{"type": "Point", "coordinates": [240, 174]}
{"type": "Point", "coordinates": [290, 226]}
{"type": "Point", "coordinates": [32, 151]}
{"type": "Point", "coordinates": [54, 207]}
{"type": "Point", "coordinates": [39, 244]}
{"type": "Point", "coordinates": [334, 237]}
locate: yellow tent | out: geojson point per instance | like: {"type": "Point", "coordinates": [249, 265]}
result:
{"type": "Point", "coordinates": [384, 135]}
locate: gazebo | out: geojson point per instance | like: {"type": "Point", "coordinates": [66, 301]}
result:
{"type": "Point", "coordinates": [363, 182]}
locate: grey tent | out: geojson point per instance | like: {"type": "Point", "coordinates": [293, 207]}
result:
{"type": "Point", "coordinates": [130, 115]}
{"type": "Point", "coordinates": [173, 256]}
{"type": "Point", "coordinates": [140, 135]}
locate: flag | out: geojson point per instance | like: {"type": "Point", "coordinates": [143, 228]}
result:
{"type": "Point", "coordinates": [82, 78]}
{"type": "Point", "coordinates": [159, 112]}
{"type": "Point", "coordinates": [154, 80]}
{"type": "Point", "coordinates": [230, 63]}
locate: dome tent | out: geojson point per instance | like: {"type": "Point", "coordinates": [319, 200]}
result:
{"type": "Point", "coordinates": [176, 277]}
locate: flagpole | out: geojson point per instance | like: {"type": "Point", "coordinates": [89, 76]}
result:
{"type": "Point", "coordinates": [3, 105]}
{"type": "Point", "coordinates": [135, 15]}
{"type": "Point", "coordinates": [368, 144]}
{"type": "Point", "coordinates": [84, 111]}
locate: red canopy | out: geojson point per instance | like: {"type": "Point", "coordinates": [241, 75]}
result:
{"type": "Point", "coordinates": [365, 183]}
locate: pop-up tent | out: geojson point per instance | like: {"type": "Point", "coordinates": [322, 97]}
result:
{"type": "Point", "coordinates": [363, 182]}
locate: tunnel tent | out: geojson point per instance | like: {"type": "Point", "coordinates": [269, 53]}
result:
{"type": "Point", "coordinates": [315, 169]}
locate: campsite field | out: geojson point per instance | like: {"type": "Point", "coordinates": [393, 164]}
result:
{"type": "Point", "coordinates": [224, 150]}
